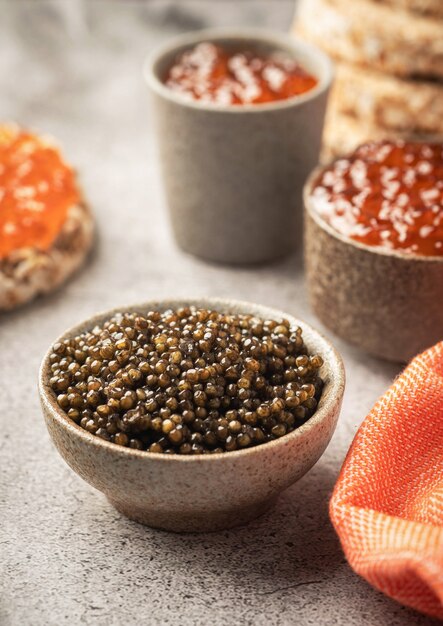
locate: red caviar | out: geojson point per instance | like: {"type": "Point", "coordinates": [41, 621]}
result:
{"type": "Point", "coordinates": [212, 74]}
{"type": "Point", "coordinates": [386, 194]}
{"type": "Point", "coordinates": [36, 190]}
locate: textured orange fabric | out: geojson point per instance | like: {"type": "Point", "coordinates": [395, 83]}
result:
{"type": "Point", "coordinates": [387, 505]}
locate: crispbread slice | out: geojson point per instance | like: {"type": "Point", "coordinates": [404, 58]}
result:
{"type": "Point", "coordinates": [27, 272]}
{"type": "Point", "coordinates": [388, 101]}
{"type": "Point", "coordinates": [343, 133]}
{"type": "Point", "coordinates": [425, 7]}
{"type": "Point", "coordinates": [374, 34]}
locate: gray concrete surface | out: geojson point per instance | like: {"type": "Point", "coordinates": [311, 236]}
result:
{"type": "Point", "coordinates": [73, 70]}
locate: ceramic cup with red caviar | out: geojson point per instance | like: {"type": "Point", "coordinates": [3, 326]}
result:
{"type": "Point", "coordinates": [239, 118]}
{"type": "Point", "coordinates": [374, 247]}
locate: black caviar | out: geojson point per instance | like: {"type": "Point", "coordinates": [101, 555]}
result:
{"type": "Point", "coordinates": [188, 381]}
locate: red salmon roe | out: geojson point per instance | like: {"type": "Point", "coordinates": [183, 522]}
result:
{"type": "Point", "coordinates": [212, 74]}
{"type": "Point", "coordinates": [386, 194]}
{"type": "Point", "coordinates": [36, 190]}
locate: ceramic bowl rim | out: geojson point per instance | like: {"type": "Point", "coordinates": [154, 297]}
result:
{"type": "Point", "coordinates": [260, 35]}
{"type": "Point", "coordinates": [334, 367]}
{"type": "Point", "coordinates": [381, 252]}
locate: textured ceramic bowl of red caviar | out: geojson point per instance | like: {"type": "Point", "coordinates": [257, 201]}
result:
{"type": "Point", "coordinates": [234, 171]}
{"type": "Point", "coordinates": [374, 247]}
{"type": "Point", "coordinates": [193, 493]}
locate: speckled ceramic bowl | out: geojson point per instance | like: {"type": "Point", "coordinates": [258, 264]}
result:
{"type": "Point", "coordinates": [387, 303]}
{"type": "Point", "coordinates": [234, 174]}
{"type": "Point", "coordinates": [198, 493]}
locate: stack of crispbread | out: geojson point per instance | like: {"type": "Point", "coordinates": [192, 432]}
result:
{"type": "Point", "coordinates": [389, 68]}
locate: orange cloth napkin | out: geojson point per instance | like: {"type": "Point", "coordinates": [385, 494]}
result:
{"type": "Point", "coordinates": [387, 505]}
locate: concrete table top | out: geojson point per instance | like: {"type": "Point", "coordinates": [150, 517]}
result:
{"type": "Point", "coordinates": [67, 557]}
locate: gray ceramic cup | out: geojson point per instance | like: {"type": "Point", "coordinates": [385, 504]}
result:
{"type": "Point", "coordinates": [234, 174]}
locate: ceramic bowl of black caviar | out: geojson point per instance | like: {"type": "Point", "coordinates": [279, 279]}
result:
{"type": "Point", "coordinates": [384, 300]}
{"type": "Point", "coordinates": [191, 415]}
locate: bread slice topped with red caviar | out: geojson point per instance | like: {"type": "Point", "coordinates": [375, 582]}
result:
{"type": "Point", "coordinates": [46, 229]}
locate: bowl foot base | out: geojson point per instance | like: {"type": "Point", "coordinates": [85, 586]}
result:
{"type": "Point", "coordinates": [203, 521]}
